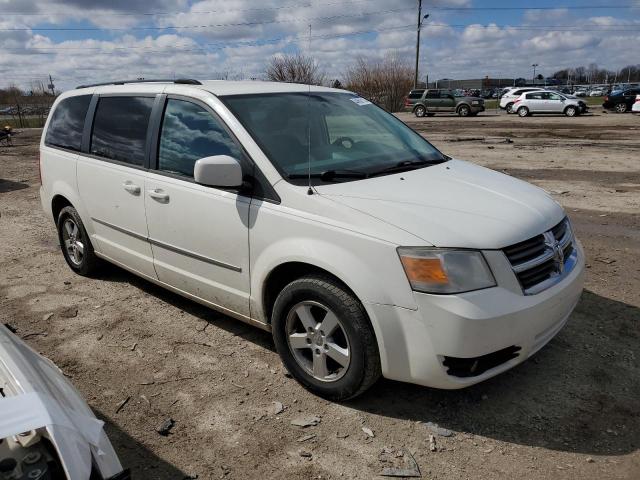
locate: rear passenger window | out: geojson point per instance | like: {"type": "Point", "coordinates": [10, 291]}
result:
{"type": "Point", "coordinates": [416, 94]}
{"type": "Point", "coordinates": [120, 128]}
{"type": "Point", "coordinates": [189, 133]}
{"type": "Point", "coordinates": [66, 124]}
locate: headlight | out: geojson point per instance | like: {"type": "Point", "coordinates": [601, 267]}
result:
{"type": "Point", "coordinates": [439, 270]}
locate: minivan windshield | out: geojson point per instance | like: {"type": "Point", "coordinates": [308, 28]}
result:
{"type": "Point", "coordinates": [350, 138]}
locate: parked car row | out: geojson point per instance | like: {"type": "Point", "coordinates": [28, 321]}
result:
{"type": "Point", "coordinates": [25, 110]}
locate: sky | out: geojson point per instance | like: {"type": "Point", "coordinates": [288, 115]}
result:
{"type": "Point", "coordinates": [86, 41]}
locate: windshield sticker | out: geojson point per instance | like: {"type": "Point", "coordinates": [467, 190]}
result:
{"type": "Point", "coordinates": [360, 101]}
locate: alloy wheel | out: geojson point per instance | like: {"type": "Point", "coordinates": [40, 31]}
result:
{"type": "Point", "coordinates": [73, 241]}
{"type": "Point", "coordinates": [318, 341]}
{"type": "Point", "coordinates": [621, 107]}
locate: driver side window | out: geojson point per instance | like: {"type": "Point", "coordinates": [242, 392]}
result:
{"type": "Point", "coordinates": [189, 132]}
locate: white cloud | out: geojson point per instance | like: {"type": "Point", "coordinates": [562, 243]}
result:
{"type": "Point", "coordinates": [249, 33]}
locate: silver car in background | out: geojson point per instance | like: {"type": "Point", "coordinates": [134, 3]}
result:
{"type": "Point", "coordinates": [547, 102]}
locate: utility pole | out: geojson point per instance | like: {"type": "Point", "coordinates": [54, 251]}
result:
{"type": "Point", "coordinates": [415, 80]}
{"type": "Point", "coordinates": [420, 23]}
{"type": "Point", "coordinates": [534, 72]}
{"type": "Point", "coordinates": [51, 86]}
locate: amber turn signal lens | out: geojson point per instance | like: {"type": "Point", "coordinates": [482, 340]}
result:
{"type": "Point", "coordinates": [426, 270]}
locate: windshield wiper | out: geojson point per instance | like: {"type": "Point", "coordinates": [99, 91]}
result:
{"type": "Point", "coordinates": [405, 166]}
{"type": "Point", "coordinates": [329, 175]}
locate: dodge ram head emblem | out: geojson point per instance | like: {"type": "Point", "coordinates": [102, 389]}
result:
{"type": "Point", "coordinates": [558, 254]}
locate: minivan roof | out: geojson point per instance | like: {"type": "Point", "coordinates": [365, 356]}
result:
{"type": "Point", "coordinates": [217, 87]}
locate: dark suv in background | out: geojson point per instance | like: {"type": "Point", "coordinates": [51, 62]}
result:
{"type": "Point", "coordinates": [621, 101]}
{"type": "Point", "coordinates": [429, 102]}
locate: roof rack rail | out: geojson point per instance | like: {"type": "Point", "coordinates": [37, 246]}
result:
{"type": "Point", "coordinates": [181, 81]}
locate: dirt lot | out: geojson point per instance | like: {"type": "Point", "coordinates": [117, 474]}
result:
{"type": "Point", "coordinates": [573, 411]}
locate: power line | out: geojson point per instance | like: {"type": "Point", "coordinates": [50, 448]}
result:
{"type": "Point", "coordinates": [181, 27]}
{"type": "Point", "coordinates": [567, 7]}
{"type": "Point", "coordinates": [627, 27]}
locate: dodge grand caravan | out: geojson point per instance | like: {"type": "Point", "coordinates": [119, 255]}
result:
{"type": "Point", "coordinates": [313, 214]}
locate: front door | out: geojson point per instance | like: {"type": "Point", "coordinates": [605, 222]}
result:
{"type": "Point", "coordinates": [199, 235]}
{"type": "Point", "coordinates": [447, 102]}
{"type": "Point", "coordinates": [111, 181]}
{"type": "Point", "coordinates": [554, 103]}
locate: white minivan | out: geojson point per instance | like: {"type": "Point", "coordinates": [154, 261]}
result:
{"type": "Point", "coordinates": [314, 214]}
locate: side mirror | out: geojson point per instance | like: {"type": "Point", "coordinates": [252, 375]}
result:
{"type": "Point", "coordinates": [218, 171]}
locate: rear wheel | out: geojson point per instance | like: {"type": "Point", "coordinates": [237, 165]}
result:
{"type": "Point", "coordinates": [570, 111]}
{"type": "Point", "coordinates": [74, 241]}
{"type": "Point", "coordinates": [464, 110]}
{"type": "Point", "coordinates": [324, 338]}
{"type": "Point", "coordinates": [621, 108]}
{"type": "Point", "coordinates": [420, 111]}
{"type": "Point", "coordinates": [523, 111]}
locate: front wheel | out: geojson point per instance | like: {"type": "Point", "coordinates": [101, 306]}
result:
{"type": "Point", "coordinates": [420, 111]}
{"type": "Point", "coordinates": [464, 111]}
{"type": "Point", "coordinates": [74, 241]}
{"type": "Point", "coordinates": [621, 108]}
{"type": "Point", "coordinates": [523, 111]}
{"type": "Point", "coordinates": [324, 338]}
{"type": "Point", "coordinates": [509, 108]}
{"type": "Point", "coordinates": [570, 111]}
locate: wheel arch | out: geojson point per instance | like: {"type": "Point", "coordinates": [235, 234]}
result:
{"type": "Point", "coordinates": [283, 274]}
{"type": "Point", "coordinates": [58, 202]}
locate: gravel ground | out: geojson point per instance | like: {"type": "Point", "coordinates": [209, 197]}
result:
{"type": "Point", "coordinates": [571, 412]}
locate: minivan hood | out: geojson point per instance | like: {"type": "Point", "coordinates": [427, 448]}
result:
{"type": "Point", "coordinates": [453, 204]}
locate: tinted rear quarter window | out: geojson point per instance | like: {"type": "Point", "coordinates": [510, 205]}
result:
{"type": "Point", "coordinates": [66, 124]}
{"type": "Point", "coordinates": [416, 94]}
{"type": "Point", "coordinates": [120, 128]}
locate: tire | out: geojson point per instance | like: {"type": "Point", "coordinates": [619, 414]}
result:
{"type": "Point", "coordinates": [509, 107]}
{"type": "Point", "coordinates": [75, 243]}
{"type": "Point", "coordinates": [621, 107]}
{"type": "Point", "coordinates": [308, 302]}
{"type": "Point", "coordinates": [523, 111]}
{"type": "Point", "coordinates": [570, 111]}
{"type": "Point", "coordinates": [420, 111]}
{"type": "Point", "coordinates": [464, 111]}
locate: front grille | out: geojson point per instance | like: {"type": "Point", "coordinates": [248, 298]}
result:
{"type": "Point", "coordinates": [541, 261]}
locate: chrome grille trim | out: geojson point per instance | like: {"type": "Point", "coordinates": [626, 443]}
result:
{"type": "Point", "coordinates": [544, 260]}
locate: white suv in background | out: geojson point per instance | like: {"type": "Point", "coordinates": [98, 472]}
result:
{"type": "Point", "coordinates": [512, 94]}
{"type": "Point", "coordinates": [547, 102]}
{"type": "Point", "coordinates": [315, 215]}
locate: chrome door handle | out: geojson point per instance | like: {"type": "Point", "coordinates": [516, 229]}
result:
{"type": "Point", "coordinates": [131, 188]}
{"type": "Point", "coordinates": [159, 195]}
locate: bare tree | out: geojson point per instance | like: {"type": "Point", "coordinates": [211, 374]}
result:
{"type": "Point", "coordinates": [385, 82]}
{"type": "Point", "coordinates": [294, 68]}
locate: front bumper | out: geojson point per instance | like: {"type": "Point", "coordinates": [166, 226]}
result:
{"type": "Point", "coordinates": [414, 343]}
